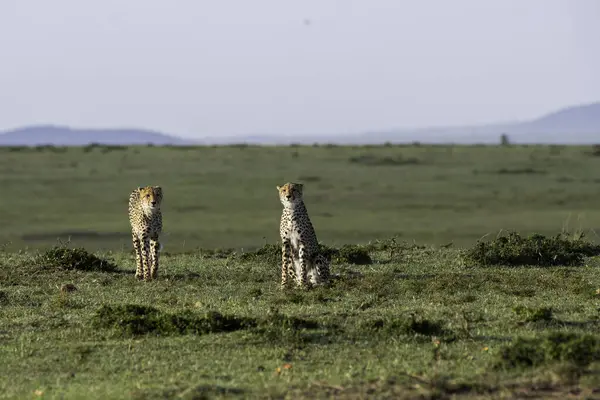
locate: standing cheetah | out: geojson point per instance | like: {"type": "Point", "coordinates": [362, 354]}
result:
{"type": "Point", "coordinates": [146, 225]}
{"type": "Point", "coordinates": [300, 248]}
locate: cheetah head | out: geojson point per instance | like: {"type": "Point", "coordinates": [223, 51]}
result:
{"type": "Point", "coordinates": [150, 198]}
{"type": "Point", "coordinates": [290, 194]}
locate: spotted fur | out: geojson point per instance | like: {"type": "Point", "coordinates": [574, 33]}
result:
{"type": "Point", "coordinates": [300, 249]}
{"type": "Point", "coordinates": [145, 218]}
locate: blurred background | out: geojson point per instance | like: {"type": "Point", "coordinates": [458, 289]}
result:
{"type": "Point", "coordinates": [433, 121]}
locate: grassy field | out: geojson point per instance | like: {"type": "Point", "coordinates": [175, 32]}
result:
{"type": "Point", "coordinates": [413, 322]}
{"type": "Point", "coordinates": [226, 196]}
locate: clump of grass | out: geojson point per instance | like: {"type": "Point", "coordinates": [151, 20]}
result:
{"type": "Point", "coordinates": [268, 254]}
{"type": "Point", "coordinates": [216, 253]}
{"type": "Point", "coordinates": [132, 320]}
{"type": "Point", "coordinates": [61, 300]}
{"type": "Point", "coordinates": [528, 314]}
{"type": "Point", "coordinates": [350, 254]}
{"type": "Point", "coordinates": [275, 319]}
{"type": "Point", "coordinates": [135, 320]}
{"type": "Point", "coordinates": [415, 325]}
{"type": "Point", "coordinates": [519, 171]}
{"type": "Point", "coordinates": [393, 246]}
{"type": "Point", "coordinates": [373, 160]}
{"type": "Point", "coordinates": [64, 258]}
{"type": "Point", "coordinates": [595, 152]}
{"type": "Point", "coordinates": [538, 250]}
{"type": "Point", "coordinates": [277, 327]}
{"type": "Point", "coordinates": [574, 348]}
{"type": "Point", "coordinates": [353, 254]}
{"type": "Point", "coordinates": [3, 298]}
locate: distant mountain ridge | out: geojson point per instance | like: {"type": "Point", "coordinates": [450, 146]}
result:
{"type": "Point", "coordinates": [65, 136]}
{"type": "Point", "coordinates": [571, 125]}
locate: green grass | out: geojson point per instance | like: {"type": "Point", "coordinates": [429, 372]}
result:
{"type": "Point", "coordinates": [417, 322]}
{"type": "Point", "coordinates": [400, 319]}
{"type": "Point", "coordinates": [223, 197]}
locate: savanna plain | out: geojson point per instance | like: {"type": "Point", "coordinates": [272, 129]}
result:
{"type": "Point", "coordinates": [459, 272]}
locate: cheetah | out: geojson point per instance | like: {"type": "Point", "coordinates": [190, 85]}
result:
{"type": "Point", "coordinates": [145, 218]}
{"type": "Point", "coordinates": [300, 248]}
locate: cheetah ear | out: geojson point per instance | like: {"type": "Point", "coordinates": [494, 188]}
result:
{"type": "Point", "coordinates": [299, 186]}
{"type": "Point", "coordinates": [139, 189]}
{"type": "Point", "coordinates": [278, 188]}
{"type": "Point", "coordinates": [158, 191]}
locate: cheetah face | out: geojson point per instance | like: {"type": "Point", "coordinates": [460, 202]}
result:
{"type": "Point", "coordinates": [150, 199]}
{"type": "Point", "coordinates": [290, 194]}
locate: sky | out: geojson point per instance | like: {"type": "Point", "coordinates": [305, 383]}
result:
{"type": "Point", "coordinates": [198, 68]}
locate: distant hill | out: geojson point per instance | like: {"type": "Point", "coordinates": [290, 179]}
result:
{"type": "Point", "coordinates": [577, 123]}
{"type": "Point", "coordinates": [572, 125]}
{"type": "Point", "coordinates": [64, 136]}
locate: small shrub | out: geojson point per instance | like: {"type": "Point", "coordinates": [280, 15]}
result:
{"type": "Point", "coordinates": [595, 151]}
{"type": "Point", "coordinates": [216, 253]}
{"type": "Point", "coordinates": [522, 353]}
{"type": "Point", "coordinates": [328, 251]}
{"type": "Point", "coordinates": [310, 178]}
{"type": "Point", "coordinates": [3, 298]}
{"type": "Point", "coordinates": [372, 160]}
{"type": "Point", "coordinates": [17, 149]}
{"type": "Point", "coordinates": [61, 300]}
{"type": "Point", "coordinates": [63, 258]}
{"type": "Point", "coordinates": [410, 326]}
{"type": "Point", "coordinates": [136, 320]}
{"type": "Point", "coordinates": [282, 321]}
{"type": "Point", "coordinates": [392, 246]}
{"type": "Point", "coordinates": [575, 348]}
{"type": "Point", "coordinates": [276, 327]}
{"type": "Point", "coordinates": [255, 293]}
{"type": "Point", "coordinates": [268, 254]}
{"type": "Point", "coordinates": [90, 147]}
{"type": "Point", "coordinates": [425, 327]}
{"type": "Point", "coordinates": [514, 250]}
{"type": "Point", "coordinates": [108, 148]}
{"type": "Point", "coordinates": [353, 254]}
{"type": "Point", "coordinates": [519, 171]}
{"type": "Point", "coordinates": [534, 314]}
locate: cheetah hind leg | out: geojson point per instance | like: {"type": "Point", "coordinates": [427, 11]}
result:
{"type": "Point", "coordinates": [139, 268]}
{"type": "Point", "coordinates": [321, 270]}
{"type": "Point", "coordinates": [302, 269]}
{"type": "Point", "coordinates": [154, 252]}
{"type": "Point", "coordinates": [286, 262]}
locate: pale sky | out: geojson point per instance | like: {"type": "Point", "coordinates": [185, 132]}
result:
{"type": "Point", "coordinates": [199, 68]}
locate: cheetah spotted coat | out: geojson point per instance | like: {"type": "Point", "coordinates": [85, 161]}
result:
{"type": "Point", "coordinates": [300, 249]}
{"type": "Point", "coordinates": [145, 218]}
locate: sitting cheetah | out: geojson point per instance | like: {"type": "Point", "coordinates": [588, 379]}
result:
{"type": "Point", "coordinates": [146, 224]}
{"type": "Point", "coordinates": [300, 249]}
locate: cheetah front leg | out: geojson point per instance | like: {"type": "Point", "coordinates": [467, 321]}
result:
{"type": "Point", "coordinates": [138, 257]}
{"type": "Point", "coordinates": [286, 261]}
{"type": "Point", "coordinates": [146, 257]}
{"type": "Point", "coordinates": [154, 246]}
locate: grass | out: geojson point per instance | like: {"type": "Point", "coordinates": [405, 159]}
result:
{"type": "Point", "coordinates": [417, 322]}
{"type": "Point", "coordinates": [515, 250]}
{"type": "Point", "coordinates": [470, 314]}
{"type": "Point", "coordinates": [225, 197]}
